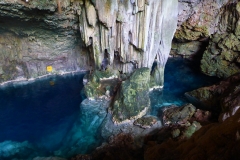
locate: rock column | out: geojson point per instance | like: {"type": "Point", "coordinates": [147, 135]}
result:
{"type": "Point", "coordinates": [129, 34]}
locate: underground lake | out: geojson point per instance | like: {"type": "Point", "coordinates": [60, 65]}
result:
{"type": "Point", "coordinates": [39, 117]}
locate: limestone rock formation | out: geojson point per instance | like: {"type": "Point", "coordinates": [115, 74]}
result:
{"type": "Point", "coordinates": [146, 121]}
{"type": "Point", "coordinates": [188, 50]}
{"type": "Point", "coordinates": [101, 84]}
{"type": "Point", "coordinates": [178, 115]}
{"type": "Point", "coordinates": [34, 35]}
{"type": "Point", "coordinates": [129, 34]}
{"type": "Point", "coordinates": [199, 18]}
{"type": "Point", "coordinates": [214, 21]}
{"type": "Point", "coordinates": [213, 141]}
{"type": "Point", "coordinates": [123, 35]}
{"type": "Point", "coordinates": [221, 97]}
{"type": "Point", "coordinates": [132, 100]}
{"type": "Point", "coordinates": [222, 56]}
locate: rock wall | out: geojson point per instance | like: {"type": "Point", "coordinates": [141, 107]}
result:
{"type": "Point", "coordinates": [34, 35]}
{"type": "Point", "coordinates": [126, 35]}
{"type": "Point", "coordinates": [84, 34]}
{"type": "Point", "coordinates": [213, 26]}
{"type": "Point", "coordinates": [132, 100]}
{"type": "Point", "coordinates": [222, 57]}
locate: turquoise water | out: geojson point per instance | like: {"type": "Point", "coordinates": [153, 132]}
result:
{"type": "Point", "coordinates": [40, 112]}
{"type": "Point", "coordinates": [180, 76]}
{"type": "Point", "coordinates": [43, 118]}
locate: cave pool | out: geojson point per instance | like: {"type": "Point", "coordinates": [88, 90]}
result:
{"type": "Point", "coordinates": [36, 117]}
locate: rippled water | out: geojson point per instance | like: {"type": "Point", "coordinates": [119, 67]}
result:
{"type": "Point", "coordinates": [42, 118]}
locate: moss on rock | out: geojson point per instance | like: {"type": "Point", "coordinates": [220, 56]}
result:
{"type": "Point", "coordinates": [132, 99]}
{"type": "Point", "coordinates": [191, 33]}
{"type": "Point", "coordinates": [99, 83]}
{"type": "Point", "coordinates": [220, 58]}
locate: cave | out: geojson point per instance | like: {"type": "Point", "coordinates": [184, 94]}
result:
{"type": "Point", "coordinates": [119, 79]}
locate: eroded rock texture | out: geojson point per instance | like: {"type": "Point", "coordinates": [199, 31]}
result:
{"type": "Point", "coordinates": [222, 56]}
{"type": "Point", "coordinates": [119, 34]}
{"type": "Point", "coordinates": [129, 34]}
{"type": "Point", "coordinates": [220, 97]}
{"type": "Point", "coordinates": [34, 35]}
{"type": "Point", "coordinates": [216, 22]}
{"type": "Point", "coordinates": [127, 37]}
{"type": "Point", "coordinates": [132, 100]}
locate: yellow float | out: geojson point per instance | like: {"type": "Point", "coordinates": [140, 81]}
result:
{"type": "Point", "coordinates": [49, 68]}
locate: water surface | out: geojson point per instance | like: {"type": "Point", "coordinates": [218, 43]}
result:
{"type": "Point", "coordinates": [43, 118]}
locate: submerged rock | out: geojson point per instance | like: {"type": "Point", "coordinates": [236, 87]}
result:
{"type": "Point", "coordinates": [92, 113]}
{"type": "Point", "coordinates": [19, 150]}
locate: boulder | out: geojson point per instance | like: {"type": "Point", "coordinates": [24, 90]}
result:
{"type": "Point", "coordinates": [178, 115]}
{"type": "Point", "coordinates": [146, 121]}
{"type": "Point", "coordinates": [222, 56]}
{"type": "Point", "coordinates": [132, 99]}
{"type": "Point", "coordinates": [187, 50]}
{"type": "Point", "coordinates": [101, 84]}
{"type": "Point", "coordinates": [220, 97]}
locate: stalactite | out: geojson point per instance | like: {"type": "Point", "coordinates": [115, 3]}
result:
{"type": "Point", "coordinates": [137, 31]}
{"type": "Point", "coordinates": [59, 6]}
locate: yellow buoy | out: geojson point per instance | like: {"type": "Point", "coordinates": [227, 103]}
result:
{"type": "Point", "coordinates": [49, 68]}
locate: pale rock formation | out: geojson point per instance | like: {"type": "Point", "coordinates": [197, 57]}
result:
{"type": "Point", "coordinates": [130, 34]}
{"type": "Point", "coordinates": [125, 34]}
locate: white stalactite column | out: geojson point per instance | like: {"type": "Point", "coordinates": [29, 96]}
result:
{"type": "Point", "coordinates": [132, 32]}
{"type": "Point", "coordinates": [163, 25]}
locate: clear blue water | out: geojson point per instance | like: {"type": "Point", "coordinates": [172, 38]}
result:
{"type": "Point", "coordinates": [40, 112]}
{"type": "Point", "coordinates": [180, 76]}
{"type": "Point", "coordinates": [46, 112]}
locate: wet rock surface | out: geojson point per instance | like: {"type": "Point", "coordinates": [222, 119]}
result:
{"type": "Point", "coordinates": [191, 140]}
{"type": "Point", "coordinates": [146, 121]}
{"type": "Point", "coordinates": [179, 115]}
{"type": "Point", "coordinates": [189, 50]}
{"type": "Point", "coordinates": [76, 35]}
{"type": "Point", "coordinates": [220, 97]}
{"type": "Point", "coordinates": [132, 100]}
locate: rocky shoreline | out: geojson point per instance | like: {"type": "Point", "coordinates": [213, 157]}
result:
{"type": "Point", "coordinates": [183, 127]}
